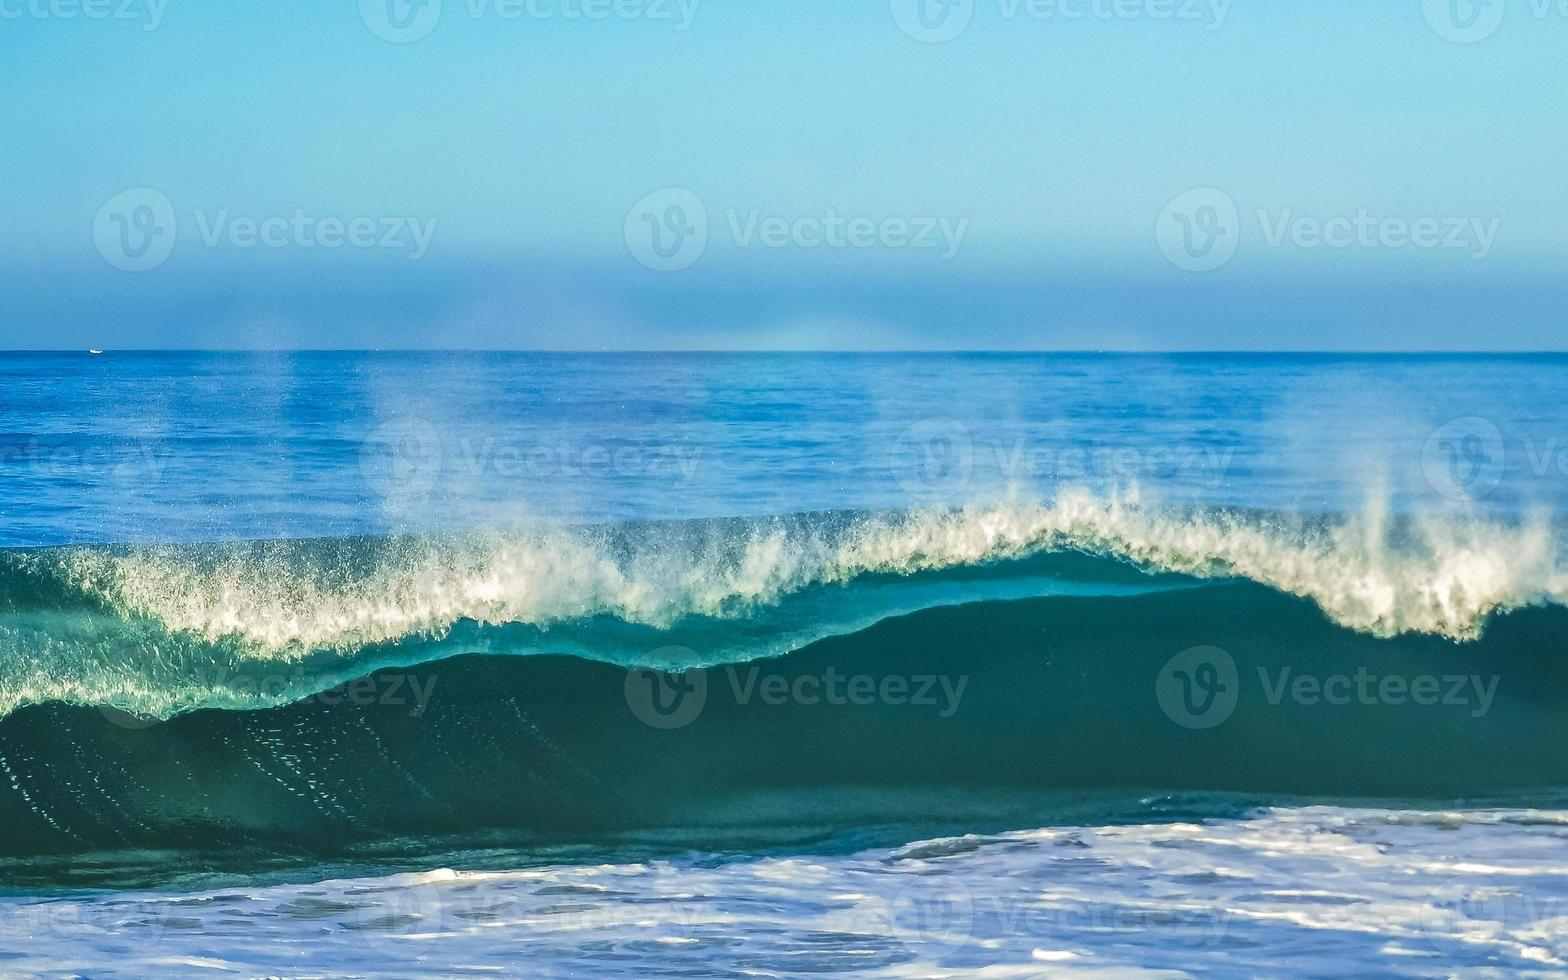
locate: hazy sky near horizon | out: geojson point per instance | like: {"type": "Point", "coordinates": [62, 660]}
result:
{"type": "Point", "coordinates": [910, 174]}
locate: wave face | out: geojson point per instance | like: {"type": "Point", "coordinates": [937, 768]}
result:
{"type": "Point", "coordinates": [848, 669]}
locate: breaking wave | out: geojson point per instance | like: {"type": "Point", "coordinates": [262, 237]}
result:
{"type": "Point", "coordinates": [159, 630]}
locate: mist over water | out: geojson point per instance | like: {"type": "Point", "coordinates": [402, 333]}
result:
{"type": "Point", "coordinates": [214, 446]}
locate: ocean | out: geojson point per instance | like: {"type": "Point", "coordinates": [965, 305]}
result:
{"type": "Point", "coordinates": [337, 664]}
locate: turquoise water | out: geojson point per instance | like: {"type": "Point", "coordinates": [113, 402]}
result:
{"type": "Point", "coordinates": [778, 663]}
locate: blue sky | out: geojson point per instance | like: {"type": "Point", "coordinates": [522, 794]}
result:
{"type": "Point", "coordinates": [1376, 176]}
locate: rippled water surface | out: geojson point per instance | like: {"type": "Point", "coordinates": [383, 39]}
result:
{"type": "Point", "coordinates": [196, 550]}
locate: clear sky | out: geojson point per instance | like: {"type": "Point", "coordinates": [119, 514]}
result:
{"type": "Point", "coordinates": [583, 174]}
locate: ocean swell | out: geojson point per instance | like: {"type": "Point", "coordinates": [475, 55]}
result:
{"type": "Point", "coordinates": [1443, 576]}
{"type": "Point", "coordinates": [968, 718]}
{"type": "Point", "coordinates": [164, 629]}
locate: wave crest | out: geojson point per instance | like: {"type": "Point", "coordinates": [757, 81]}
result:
{"type": "Point", "coordinates": [1428, 575]}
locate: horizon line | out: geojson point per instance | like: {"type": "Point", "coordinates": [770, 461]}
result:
{"type": "Point", "coordinates": [1381, 352]}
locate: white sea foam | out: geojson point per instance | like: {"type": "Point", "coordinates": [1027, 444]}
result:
{"type": "Point", "coordinates": [1363, 892]}
{"type": "Point", "coordinates": [1440, 576]}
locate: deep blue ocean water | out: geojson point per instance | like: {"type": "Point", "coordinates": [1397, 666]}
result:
{"type": "Point", "coordinates": [193, 446]}
{"type": "Point", "coordinates": [627, 664]}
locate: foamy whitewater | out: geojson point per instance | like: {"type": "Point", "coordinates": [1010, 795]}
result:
{"type": "Point", "coordinates": [908, 665]}
{"type": "Point", "coordinates": [1330, 891]}
{"type": "Point", "coordinates": [1444, 575]}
